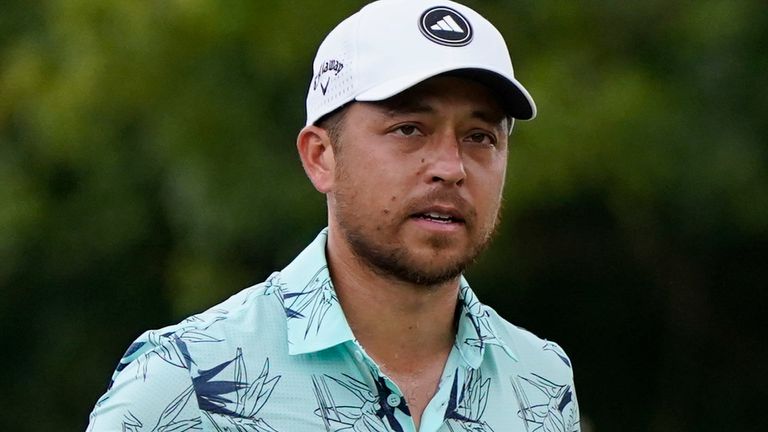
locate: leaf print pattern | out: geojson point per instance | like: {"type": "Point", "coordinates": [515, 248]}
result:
{"type": "Point", "coordinates": [248, 398]}
{"type": "Point", "coordinates": [555, 348]}
{"type": "Point", "coordinates": [131, 423]}
{"type": "Point", "coordinates": [239, 424]}
{"type": "Point", "coordinates": [467, 404]}
{"type": "Point", "coordinates": [370, 414]}
{"type": "Point", "coordinates": [480, 319]}
{"type": "Point", "coordinates": [545, 405]}
{"type": "Point", "coordinates": [313, 302]}
{"type": "Point", "coordinates": [172, 348]}
{"type": "Point", "coordinates": [168, 420]}
{"type": "Point", "coordinates": [251, 399]}
{"type": "Point", "coordinates": [236, 401]}
{"type": "Point", "coordinates": [274, 285]}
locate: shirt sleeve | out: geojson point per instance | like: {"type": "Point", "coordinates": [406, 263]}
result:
{"type": "Point", "coordinates": [575, 413]}
{"type": "Point", "coordinates": [574, 416]}
{"type": "Point", "coordinates": [152, 392]}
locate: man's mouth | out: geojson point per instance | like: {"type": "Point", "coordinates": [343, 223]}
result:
{"type": "Point", "coordinates": [439, 217]}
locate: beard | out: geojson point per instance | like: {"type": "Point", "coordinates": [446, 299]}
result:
{"type": "Point", "coordinates": [375, 248]}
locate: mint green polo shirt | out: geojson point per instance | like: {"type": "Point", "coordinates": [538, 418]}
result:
{"type": "Point", "coordinates": [280, 356]}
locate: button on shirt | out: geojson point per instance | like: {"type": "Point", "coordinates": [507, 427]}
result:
{"type": "Point", "coordinates": [280, 356]}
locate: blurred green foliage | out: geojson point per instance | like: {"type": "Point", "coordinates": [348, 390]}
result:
{"type": "Point", "coordinates": [147, 171]}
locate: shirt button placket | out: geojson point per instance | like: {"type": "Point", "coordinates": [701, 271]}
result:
{"type": "Point", "coordinates": [393, 400]}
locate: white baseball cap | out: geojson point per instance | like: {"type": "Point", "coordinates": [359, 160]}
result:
{"type": "Point", "coordinates": [391, 45]}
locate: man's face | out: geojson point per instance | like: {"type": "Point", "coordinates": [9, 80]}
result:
{"type": "Point", "coordinates": [418, 179]}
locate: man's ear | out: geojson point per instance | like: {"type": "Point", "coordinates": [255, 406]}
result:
{"type": "Point", "coordinates": [317, 157]}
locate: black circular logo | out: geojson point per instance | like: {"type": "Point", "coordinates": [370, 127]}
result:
{"type": "Point", "coordinates": [445, 26]}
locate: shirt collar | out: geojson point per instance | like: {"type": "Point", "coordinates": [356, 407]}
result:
{"type": "Point", "coordinates": [314, 317]}
{"type": "Point", "coordinates": [315, 320]}
{"type": "Point", "coordinates": [476, 329]}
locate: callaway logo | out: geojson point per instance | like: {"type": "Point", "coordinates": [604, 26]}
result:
{"type": "Point", "coordinates": [334, 66]}
{"type": "Point", "coordinates": [445, 26]}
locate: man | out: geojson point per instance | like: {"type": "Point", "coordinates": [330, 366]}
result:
{"type": "Point", "coordinates": [372, 327]}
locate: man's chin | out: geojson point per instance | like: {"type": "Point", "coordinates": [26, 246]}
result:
{"type": "Point", "coordinates": [426, 266]}
{"type": "Point", "coordinates": [426, 275]}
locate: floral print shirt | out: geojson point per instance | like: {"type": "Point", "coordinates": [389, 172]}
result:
{"type": "Point", "coordinates": [280, 356]}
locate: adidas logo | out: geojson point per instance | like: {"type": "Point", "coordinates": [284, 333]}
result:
{"type": "Point", "coordinates": [447, 24]}
{"type": "Point", "coordinates": [444, 26]}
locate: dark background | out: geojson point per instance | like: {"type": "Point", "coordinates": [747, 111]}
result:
{"type": "Point", "coordinates": [148, 171]}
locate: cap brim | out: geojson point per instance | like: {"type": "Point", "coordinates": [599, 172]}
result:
{"type": "Point", "coordinates": [513, 96]}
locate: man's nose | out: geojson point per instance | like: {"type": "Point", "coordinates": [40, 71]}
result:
{"type": "Point", "coordinates": [447, 165]}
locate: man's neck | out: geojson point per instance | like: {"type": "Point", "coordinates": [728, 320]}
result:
{"type": "Point", "coordinates": [407, 329]}
{"type": "Point", "coordinates": [403, 326]}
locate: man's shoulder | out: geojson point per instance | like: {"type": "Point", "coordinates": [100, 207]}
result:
{"type": "Point", "coordinates": [541, 375]}
{"type": "Point", "coordinates": [530, 348]}
{"type": "Point", "coordinates": [258, 302]}
{"type": "Point", "coordinates": [261, 302]}
{"type": "Point", "coordinates": [257, 309]}
{"type": "Point", "coordinates": [156, 378]}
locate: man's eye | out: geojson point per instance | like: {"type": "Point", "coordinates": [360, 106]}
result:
{"type": "Point", "coordinates": [407, 130]}
{"type": "Point", "coordinates": [482, 138]}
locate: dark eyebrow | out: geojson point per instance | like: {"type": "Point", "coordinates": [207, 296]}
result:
{"type": "Point", "coordinates": [488, 117]}
{"type": "Point", "coordinates": [403, 106]}
{"type": "Point", "coordinates": [396, 106]}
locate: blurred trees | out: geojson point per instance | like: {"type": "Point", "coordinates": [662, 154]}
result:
{"type": "Point", "coordinates": [147, 171]}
